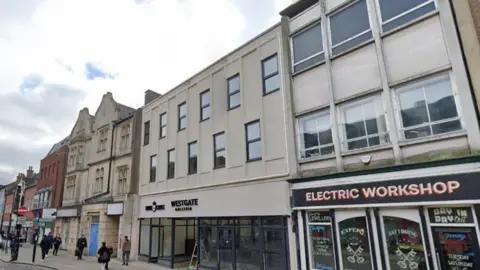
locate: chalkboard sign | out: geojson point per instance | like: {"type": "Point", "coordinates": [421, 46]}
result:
{"type": "Point", "coordinates": [448, 215]}
{"type": "Point", "coordinates": [319, 217]}
{"type": "Point", "coordinates": [321, 247]}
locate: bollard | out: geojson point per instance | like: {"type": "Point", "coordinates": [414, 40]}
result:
{"type": "Point", "coordinates": [35, 238]}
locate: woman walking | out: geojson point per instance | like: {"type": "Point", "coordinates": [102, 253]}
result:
{"type": "Point", "coordinates": [44, 246]}
{"type": "Point", "coordinates": [103, 256]}
{"type": "Point", "coordinates": [57, 241]}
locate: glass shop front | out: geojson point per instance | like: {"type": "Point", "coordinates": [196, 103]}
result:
{"type": "Point", "coordinates": [407, 224]}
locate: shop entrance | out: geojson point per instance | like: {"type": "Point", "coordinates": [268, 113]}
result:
{"type": "Point", "coordinates": [456, 248]}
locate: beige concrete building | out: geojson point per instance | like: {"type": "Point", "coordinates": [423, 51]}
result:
{"type": "Point", "coordinates": [214, 162]}
{"type": "Point", "coordinates": [100, 183]}
{"type": "Point", "coordinates": [385, 120]}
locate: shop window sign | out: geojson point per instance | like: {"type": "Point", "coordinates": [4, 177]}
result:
{"type": "Point", "coordinates": [184, 205]}
{"type": "Point", "coordinates": [319, 217]}
{"type": "Point", "coordinates": [456, 249]}
{"type": "Point", "coordinates": [321, 247]}
{"type": "Point", "coordinates": [354, 243]}
{"type": "Point", "coordinates": [448, 215]}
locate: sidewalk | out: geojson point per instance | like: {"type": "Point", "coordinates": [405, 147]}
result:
{"type": "Point", "coordinates": [66, 261]}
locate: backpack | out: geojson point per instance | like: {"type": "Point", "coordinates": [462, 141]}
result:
{"type": "Point", "coordinates": [104, 256]}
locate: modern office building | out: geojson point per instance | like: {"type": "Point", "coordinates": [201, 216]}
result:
{"type": "Point", "coordinates": [387, 136]}
{"type": "Point", "coordinates": [214, 161]}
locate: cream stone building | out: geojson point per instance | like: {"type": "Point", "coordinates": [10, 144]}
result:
{"type": "Point", "coordinates": [98, 200]}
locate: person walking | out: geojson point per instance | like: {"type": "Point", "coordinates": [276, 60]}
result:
{"type": "Point", "coordinates": [126, 247]}
{"type": "Point", "coordinates": [109, 253]}
{"type": "Point", "coordinates": [81, 245]}
{"type": "Point", "coordinates": [44, 246]}
{"type": "Point", "coordinates": [50, 241]}
{"type": "Point", "coordinates": [57, 241]}
{"type": "Point", "coordinates": [14, 246]}
{"type": "Point", "coordinates": [103, 256]}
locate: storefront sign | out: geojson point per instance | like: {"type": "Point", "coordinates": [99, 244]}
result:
{"type": "Point", "coordinates": [439, 188]}
{"type": "Point", "coordinates": [155, 207]}
{"type": "Point", "coordinates": [69, 212]}
{"type": "Point", "coordinates": [456, 249]}
{"type": "Point", "coordinates": [184, 205]}
{"type": "Point", "coordinates": [321, 246]}
{"type": "Point", "coordinates": [447, 215]}
{"type": "Point", "coordinates": [115, 209]}
{"type": "Point", "coordinates": [319, 217]}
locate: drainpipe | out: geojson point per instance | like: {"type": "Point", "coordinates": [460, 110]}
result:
{"type": "Point", "coordinates": [111, 158]}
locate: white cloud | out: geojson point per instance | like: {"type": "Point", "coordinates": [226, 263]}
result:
{"type": "Point", "coordinates": [148, 46]}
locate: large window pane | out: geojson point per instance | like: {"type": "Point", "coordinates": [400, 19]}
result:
{"type": "Point", "coordinates": [145, 240]}
{"type": "Point", "coordinates": [404, 244]}
{"type": "Point", "coordinates": [248, 248]}
{"type": "Point", "coordinates": [354, 244]}
{"type": "Point", "coordinates": [321, 247]}
{"type": "Point", "coordinates": [208, 242]}
{"type": "Point", "coordinates": [315, 135]}
{"type": "Point", "coordinates": [307, 44]}
{"type": "Point", "coordinates": [397, 13]}
{"type": "Point", "coordinates": [233, 85]}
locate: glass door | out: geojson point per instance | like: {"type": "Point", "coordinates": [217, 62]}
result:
{"type": "Point", "coordinates": [456, 248]}
{"type": "Point", "coordinates": [403, 239]}
{"type": "Point", "coordinates": [225, 248]}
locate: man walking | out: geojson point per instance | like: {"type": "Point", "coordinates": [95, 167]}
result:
{"type": "Point", "coordinates": [44, 246]}
{"type": "Point", "coordinates": [81, 245]}
{"type": "Point", "coordinates": [126, 247]}
{"type": "Point", "coordinates": [57, 241]}
{"type": "Point", "coordinates": [50, 242]}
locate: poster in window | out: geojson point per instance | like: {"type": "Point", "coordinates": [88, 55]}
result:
{"type": "Point", "coordinates": [404, 244]}
{"type": "Point", "coordinates": [456, 248]}
{"type": "Point", "coordinates": [354, 244]}
{"type": "Point", "coordinates": [321, 247]}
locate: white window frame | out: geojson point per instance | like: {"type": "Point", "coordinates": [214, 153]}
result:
{"type": "Point", "coordinates": [357, 102]}
{"type": "Point", "coordinates": [398, 109]}
{"type": "Point", "coordinates": [309, 240]}
{"type": "Point", "coordinates": [313, 55]}
{"type": "Point", "coordinates": [321, 113]}
{"type": "Point", "coordinates": [329, 29]}
{"type": "Point", "coordinates": [81, 151]}
{"type": "Point", "coordinates": [125, 136]}
{"type": "Point", "coordinates": [122, 179]}
{"type": "Point", "coordinates": [381, 22]}
{"type": "Point", "coordinates": [163, 125]}
{"type": "Point", "coordinates": [102, 142]}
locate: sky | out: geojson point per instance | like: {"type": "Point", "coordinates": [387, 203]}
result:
{"type": "Point", "coordinates": [57, 57]}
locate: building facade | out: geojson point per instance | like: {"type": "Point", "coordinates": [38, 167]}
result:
{"type": "Point", "coordinates": [387, 136]}
{"type": "Point", "coordinates": [214, 161]}
{"type": "Point", "coordinates": [49, 190]}
{"type": "Point", "coordinates": [2, 204]}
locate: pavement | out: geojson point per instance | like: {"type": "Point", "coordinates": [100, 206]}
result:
{"type": "Point", "coordinates": [64, 261]}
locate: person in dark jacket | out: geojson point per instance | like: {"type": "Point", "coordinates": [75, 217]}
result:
{"type": "Point", "coordinates": [109, 253]}
{"type": "Point", "coordinates": [57, 241]}
{"type": "Point", "coordinates": [81, 245]}
{"type": "Point", "coordinates": [103, 256]}
{"type": "Point", "coordinates": [50, 241]}
{"type": "Point", "coordinates": [14, 246]}
{"type": "Point", "coordinates": [44, 246]}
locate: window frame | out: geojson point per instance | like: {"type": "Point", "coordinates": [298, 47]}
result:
{"type": "Point", "coordinates": [381, 23]}
{"type": "Point", "coordinates": [190, 157]}
{"type": "Point", "coordinates": [319, 113]}
{"type": "Point", "coordinates": [215, 150]}
{"type": "Point", "coordinates": [292, 48]}
{"type": "Point", "coordinates": [229, 107]}
{"type": "Point", "coordinates": [202, 106]}
{"type": "Point", "coordinates": [181, 117]}
{"type": "Point", "coordinates": [250, 141]}
{"type": "Point", "coordinates": [271, 75]}
{"type": "Point", "coordinates": [122, 179]}
{"type": "Point", "coordinates": [153, 169]}
{"type": "Point", "coordinates": [358, 102]}
{"type": "Point", "coordinates": [146, 133]}
{"type": "Point", "coordinates": [169, 163]}
{"type": "Point", "coordinates": [398, 109]}
{"type": "Point", "coordinates": [163, 126]}
{"type": "Point", "coordinates": [329, 29]}
{"type": "Point", "coordinates": [125, 136]}
{"type": "Point", "coordinates": [307, 225]}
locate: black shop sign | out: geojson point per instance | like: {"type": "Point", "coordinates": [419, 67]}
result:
{"type": "Point", "coordinates": [425, 189]}
{"type": "Point", "coordinates": [184, 205]}
{"type": "Point", "coordinates": [155, 207]}
{"type": "Point", "coordinates": [448, 215]}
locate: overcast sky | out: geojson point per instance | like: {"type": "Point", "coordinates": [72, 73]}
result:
{"type": "Point", "coordinates": [59, 56]}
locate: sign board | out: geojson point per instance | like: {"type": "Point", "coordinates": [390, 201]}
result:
{"type": "Point", "coordinates": [21, 220]}
{"type": "Point", "coordinates": [425, 189]}
{"type": "Point", "coordinates": [115, 209]}
{"type": "Point", "coordinates": [49, 213]}
{"type": "Point", "coordinates": [22, 211]}
{"type": "Point", "coordinates": [448, 215]}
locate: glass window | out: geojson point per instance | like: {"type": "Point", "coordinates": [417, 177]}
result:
{"type": "Point", "coordinates": [163, 125]}
{"type": "Point", "coordinates": [192, 158]}
{"type": "Point", "coordinates": [208, 246]}
{"type": "Point", "coordinates": [205, 105]}
{"type": "Point", "coordinates": [396, 13]}
{"type": "Point", "coordinates": [145, 238]}
{"type": "Point", "coordinates": [248, 247]}
{"type": "Point", "coordinates": [182, 116]}
{"type": "Point", "coordinates": [308, 47]}
{"type": "Point", "coordinates": [364, 123]}
{"type": "Point", "coordinates": [428, 108]}
{"type": "Point", "coordinates": [146, 133]}
{"type": "Point", "coordinates": [219, 145]}
{"type": "Point", "coordinates": [404, 244]}
{"type": "Point", "coordinates": [233, 92]}
{"type": "Point", "coordinates": [153, 168]}
{"type": "Point", "coordinates": [354, 244]}
{"type": "Point", "coordinates": [321, 246]}
{"type": "Point", "coordinates": [315, 135]}
{"type": "Point", "coordinates": [171, 163]}
{"type": "Point", "coordinates": [350, 27]}
{"type": "Point", "coordinates": [254, 141]}
{"type": "Point", "coordinates": [271, 78]}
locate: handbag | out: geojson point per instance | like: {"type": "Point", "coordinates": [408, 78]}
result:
{"type": "Point", "coordinates": [77, 252]}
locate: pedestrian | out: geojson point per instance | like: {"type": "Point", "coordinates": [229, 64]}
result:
{"type": "Point", "coordinates": [57, 241]}
{"type": "Point", "coordinates": [103, 256]}
{"type": "Point", "coordinates": [81, 245]}
{"type": "Point", "coordinates": [50, 241]}
{"type": "Point", "coordinates": [44, 246]}
{"type": "Point", "coordinates": [109, 253]}
{"type": "Point", "coordinates": [126, 247]}
{"type": "Point", "coordinates": [14, 246]}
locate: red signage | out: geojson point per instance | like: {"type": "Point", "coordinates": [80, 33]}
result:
{"type": "Point", "coordinates": [22, 210]}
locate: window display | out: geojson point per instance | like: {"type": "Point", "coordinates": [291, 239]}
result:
{"type": "Point", "coordinates": [455, 248]}
{"type": "Point", "coordinates": [354, 244]}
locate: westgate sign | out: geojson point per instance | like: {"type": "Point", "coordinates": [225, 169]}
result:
{"type": "Point", "coordinates": [438, 188]}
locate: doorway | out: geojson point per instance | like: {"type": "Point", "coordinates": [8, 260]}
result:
{"type": "Point", "coordinates": [93, 243]}
{"type": "Point", "coordinates": [456, 248]}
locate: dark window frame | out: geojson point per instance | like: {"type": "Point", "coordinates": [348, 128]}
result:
{"type": "Point", "coordinates": [250, 141]}
{"type": "Point", "coordinates": [146, 133]}
{"type": "Point", "coordinates": [162, 126]}
{"type": "Point", "coordinates": [215, 150]}
{"type": "Point", "coordinates": [153, 169]}
{"type": "Point", "coordinates": [190, 157]}
{"type": "Point", "coordinates": [229, 107]}
{"type": "Point", "coordinates": [265, 77]}
{"type": "Point", "coordinates": [312, 60]}
{"type": "Point", "coordinates": [181, 117]}
{"type": "Point", "coordinates": [170, 174]}
{"type": "Point", "coordinates": [202, 106]}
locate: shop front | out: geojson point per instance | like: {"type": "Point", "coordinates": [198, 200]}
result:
{"type": "Point", "coordinates": [243, 227]}
{"type": "Point", "coordinates": [68, 222]}
{"type": "Point", "coordinates": [407, 220]}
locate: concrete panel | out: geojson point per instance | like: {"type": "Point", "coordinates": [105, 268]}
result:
{"type": "Point", "coordinates": [253, 96]}
{"type": "Point", "coordinates": [273, 127]}
{"type": "Point", "coordinates": [205, 147]}
{"type": "Point", "coordinates": [235, 136]}
{"type": "Point", "coordinates": [310, 89]}
{"type": "Point", "coordinates": [219, 101]}
{"type": "Point", "coordinates": [305, 18]}
{"type": "Point", "coordinates": [449, 146]}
